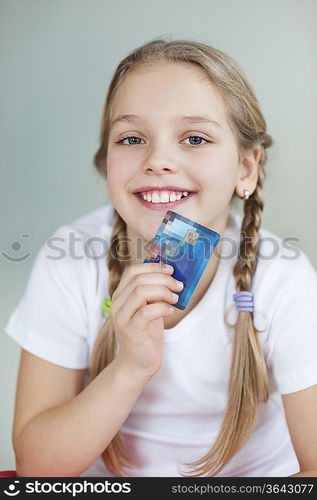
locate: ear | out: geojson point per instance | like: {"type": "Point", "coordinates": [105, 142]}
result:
{"type": "Point", "coordinates": [248, 170]}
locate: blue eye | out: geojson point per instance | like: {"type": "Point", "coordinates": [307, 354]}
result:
{"type": "Point", "coordinates": [196, 137]}
{"type": "Point", "coordinates": [138, 139]}
{"type": "Point", "coordinates": [129, 137]}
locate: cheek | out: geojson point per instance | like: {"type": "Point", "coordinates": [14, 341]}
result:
{"type": "Point", "coordinates": [119, 172]}
{"type": "Point", "coordinates": [218, 167]}
{"type": "Point", "coordinates": [217, 174]}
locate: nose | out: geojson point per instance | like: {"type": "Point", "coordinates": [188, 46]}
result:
{"type": "Point", "coordinates": [159, 160]}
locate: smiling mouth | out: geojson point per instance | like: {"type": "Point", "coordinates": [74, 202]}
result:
{"type": "Point", "coordinates": [161, 205]}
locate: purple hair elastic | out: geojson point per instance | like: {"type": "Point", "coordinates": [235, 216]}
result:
{"type": "Point", "coordinates": [244, 301]}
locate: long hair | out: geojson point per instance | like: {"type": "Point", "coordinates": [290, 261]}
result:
{"type": "Point", "coordinates": [248, 381]}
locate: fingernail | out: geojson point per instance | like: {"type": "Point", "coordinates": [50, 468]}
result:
{"type": "Point", "coordinates": [175, 296]}
{"type": "Point", "coordinates": [167, 267]}
{"type": "Point", "coordinates": [179, 284]}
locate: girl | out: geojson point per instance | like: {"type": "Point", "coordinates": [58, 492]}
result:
{"type": "Point", "coordinates": [226, 387]}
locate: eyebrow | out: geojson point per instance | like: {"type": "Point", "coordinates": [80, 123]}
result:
{"type": "Point", "coordinates": [182, 119]}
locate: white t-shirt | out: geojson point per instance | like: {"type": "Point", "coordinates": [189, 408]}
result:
{"type": "Point", "coordinates": [178, 415]}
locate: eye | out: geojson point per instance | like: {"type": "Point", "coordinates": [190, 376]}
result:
{"type": "Point", "coordinates": [129, 143]}
{"type": "Point", "coordinates": [196, 137]}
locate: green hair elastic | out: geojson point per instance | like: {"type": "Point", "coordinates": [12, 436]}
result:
{"type": "Point", "coordinates": [106, 306]}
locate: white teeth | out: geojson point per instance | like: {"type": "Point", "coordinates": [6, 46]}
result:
{"type": "Point", "coordinates": [155, 197]}
{"type": "Point", "coordinates": [172, 197]}
{"type": "Point", "coordinates": [163, 196]}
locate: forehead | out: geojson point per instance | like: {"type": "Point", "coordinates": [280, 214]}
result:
{"type": "Point", "coordinates": [168, 88]}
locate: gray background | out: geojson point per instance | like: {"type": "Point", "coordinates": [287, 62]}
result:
{"type": "Point", "coordinates": [57, 58]}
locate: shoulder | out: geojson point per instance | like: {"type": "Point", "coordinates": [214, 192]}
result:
{"type": "Point", "coordinates": [95, 223]}
{"type": "Point", "coordinates": [74, 255]}
{"type": "Point", "coordinates": [281, 264]}
{"type": "Point", "coordinates": [285, 269]}
{"type": "Point", "coordinates": [82, 238]}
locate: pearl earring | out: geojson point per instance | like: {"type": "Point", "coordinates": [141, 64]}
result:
{"type": "Point", "coordinates": [246, 194]}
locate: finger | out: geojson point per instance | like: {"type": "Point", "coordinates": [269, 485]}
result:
{"type": "Point", "coordinates": [139, 298]}
{"type": "Point", "coordinates": [148, 279]}
{"type": "Point", "coordinates": [131, 273]}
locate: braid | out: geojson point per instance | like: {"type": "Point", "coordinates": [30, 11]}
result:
{"type": "Point", "coordinates": [105, 345]}
{"type": "Point", "coordinates": [248, 379]}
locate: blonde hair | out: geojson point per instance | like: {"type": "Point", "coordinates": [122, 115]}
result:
{"type": "Point", "coordinates": [248, 382]}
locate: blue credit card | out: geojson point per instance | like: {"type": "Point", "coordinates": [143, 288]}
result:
{"type": "Point", "coordinates": [185, 245]}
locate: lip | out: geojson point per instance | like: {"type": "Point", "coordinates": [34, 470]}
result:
{"type": "Point", "coordinates": [160, 188]}
{"type": "Point", "coordinates": [162, 206]}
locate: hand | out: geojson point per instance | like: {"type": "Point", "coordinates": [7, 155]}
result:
{"type": "Point", "coordinates": [138, 307]}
